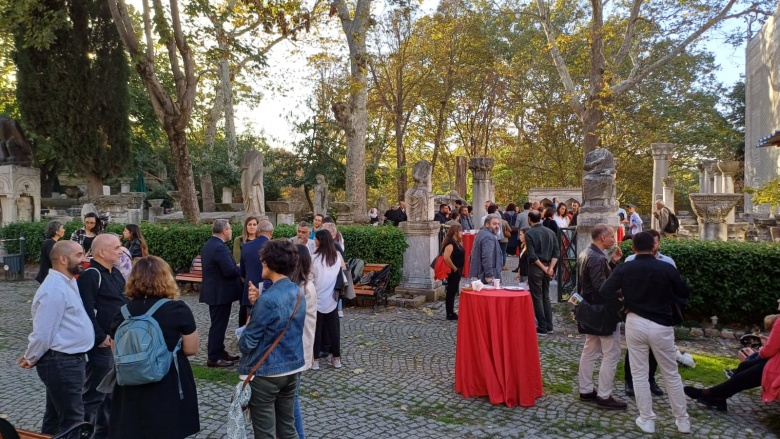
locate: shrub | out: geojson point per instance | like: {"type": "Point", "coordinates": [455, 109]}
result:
{"type": "Point", "coordinates": [179, 243]}
{"type": "Point", "coordinates": [733, 280]}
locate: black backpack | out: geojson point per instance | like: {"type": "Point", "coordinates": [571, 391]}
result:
{"type": "Point", "coordinates": [673, 225]}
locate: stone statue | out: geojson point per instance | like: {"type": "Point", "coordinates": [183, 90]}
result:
{"type": "Point", "coordinates": [321, 196]}
{"type": "Point", "coordinates": [15, 149]}
{"type": "Point", "coordinates": [252, 182]}
{"type": "Point", "coordinates": [598, 186]}
{"type": "Point", "coordinates": [419, 199]}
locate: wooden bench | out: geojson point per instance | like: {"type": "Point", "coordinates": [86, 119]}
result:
{"type": "Point", "coordinates": [373, 291]}
{"type": "Point", "coordinates": [194, 276]}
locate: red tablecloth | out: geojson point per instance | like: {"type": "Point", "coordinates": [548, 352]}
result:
{"type": "Point", "coordinates": [497, 350]}
{"type": "Point", "coordinates": [468, 245]}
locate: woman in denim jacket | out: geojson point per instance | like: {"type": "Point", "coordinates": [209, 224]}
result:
{"type": "Point", "coordinates": [274, 385]}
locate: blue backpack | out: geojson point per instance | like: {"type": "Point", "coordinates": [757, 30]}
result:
{"type": "Point", "coordinates": [140, 353]}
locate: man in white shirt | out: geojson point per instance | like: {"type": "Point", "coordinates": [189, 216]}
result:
{"type": "Point", "coordinates": [61, 334]}
{"type": "Point", "coordinates": [634, 221]}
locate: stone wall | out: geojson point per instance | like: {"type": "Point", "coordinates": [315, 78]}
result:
{"type": "Point", "coordinates": [762, 111]}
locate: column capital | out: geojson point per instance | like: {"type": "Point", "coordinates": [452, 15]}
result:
{"type": "Point", "coordinates": [713, 208]}
{"type": "Point", "coordinates": [662, 151]}
{"type": "Point", "coordinates": [728, 167]}
{"type": "Point", "coordinates": [481, 167]}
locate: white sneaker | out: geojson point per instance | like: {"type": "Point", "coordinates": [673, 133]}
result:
{"type": "Point", "coordinates": [336, 362]}
{"type": "Point", "coordinates": [315, 365]}
{"type": "Point", "coordinates": [683, 426]}
{"type": "Point", "coordinates": [646, 426]}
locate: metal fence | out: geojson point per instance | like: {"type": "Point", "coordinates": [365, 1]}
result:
{"type": "Point", "coordinates": [567, 265]}
{"type": "Point", "coordinates": [12, 253]}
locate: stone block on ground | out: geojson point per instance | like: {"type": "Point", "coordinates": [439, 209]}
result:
{"type": "Point", "coordinates": [697, 332]}
{"type": "Point", "coordinates": [711, 332]}
{"type": "Point", "coordinates": [727, 333]}
{"type": "Point", "coordinates": [406, 302]}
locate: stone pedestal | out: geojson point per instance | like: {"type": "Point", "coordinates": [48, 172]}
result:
{"type": "Point", "coordinates": [135, 216]}
{"type": "Point", "coordinates": [661, 154]}
{"type": "Point", "coordinates": [728, 168]}
{"type": "Point", "coordinates": [668, 193]}
{"type": "Point", "coordinates": [155, 209]}
{"type": "Point", "coordinates": [176, 198]}
{"type": "Point", "coordinates": [737, 232]}
{"type": "Point", "coordinates": [125, 185]}
{"type": "Point", "coordinates": [480, 168]}
{"type": "Point", "coordinates": [712, 210]}
{"type": "Point", "coordinates": [423, 245]}
{"type": "Point", "coordinates": [284, 210]}
{"type": "Point", "coordinates": [345, 211]}
{"type": "Point", "coordinates": [763, 226]}
{"type": "Point", "coordinates": [20, 194]}
{"type": "Point", "coordinates": [106, 190]}
{"type": "Point", "coordinates": [227, 195]}
{"type": "Point", "coordinates": [599, 202]}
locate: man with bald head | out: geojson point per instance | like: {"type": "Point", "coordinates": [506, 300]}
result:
{"type": "Point", "coordinates": [102, 289]}
{"type": "Point", "coordinates": [60, 336]}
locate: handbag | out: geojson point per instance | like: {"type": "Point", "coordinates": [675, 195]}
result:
{"type": "Point", "coordinates": [245, 384]}
{"type": "Point", "coordinates": [596, 319]}
{"type": "Point", "coordinates": [342, 282]}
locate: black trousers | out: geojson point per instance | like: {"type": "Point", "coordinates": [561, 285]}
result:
{"type": "Point", "coordinates": [747, 376]}
{"type": "Point", "coordinates": [651, 374]}
{"type": "Point", "coordinates": [328, 324]}
{"type": "Point", "coordinates": [539, 284]}
{"type": "Point", "coordinates": [453, 284]}
{"type": "Point", "coordinates": [220, 316]}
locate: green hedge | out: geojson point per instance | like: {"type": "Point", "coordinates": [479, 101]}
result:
{"type": "Point", "coordinates": [737, 281]}
{"type": "Point", "coordinates": [179, 243]}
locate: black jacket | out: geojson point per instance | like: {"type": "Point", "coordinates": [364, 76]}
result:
{"type": "Point", "coordinates": [134, 247]}
{"type": "Point", "coordinates": [103, 294]}
{"type": "Point", "coordinates": [221, 280]}
{"type": "Point", "coordinates": [649, 286]}
{"type": "Point", "coordinates": [43, 270]}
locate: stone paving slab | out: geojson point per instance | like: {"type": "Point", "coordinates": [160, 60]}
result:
{"type": "Point", "coordinates": [398, 382]}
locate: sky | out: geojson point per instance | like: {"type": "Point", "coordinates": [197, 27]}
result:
{"type": "Point", "coordinates": [269, 116]}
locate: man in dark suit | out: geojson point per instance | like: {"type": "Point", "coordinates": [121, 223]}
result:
{"type": "Point", "coordinates": [221, 287]}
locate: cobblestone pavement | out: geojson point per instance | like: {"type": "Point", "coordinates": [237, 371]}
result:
{"type": "Point", "coordinates": [398, 382]}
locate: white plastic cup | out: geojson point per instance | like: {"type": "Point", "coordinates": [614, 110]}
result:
{"type": "Point", "coordinates": [497, 283]}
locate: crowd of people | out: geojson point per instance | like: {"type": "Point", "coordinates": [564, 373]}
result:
{"type": "Point", "coordinates": [288, 320]}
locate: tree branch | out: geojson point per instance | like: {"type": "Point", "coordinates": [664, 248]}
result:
{"type": "Point", "coordinates": [560, 64]}
{"type": "Point", "coordinates": [636, 78]}
{"type": "Point", "coordinates": [628, 38]}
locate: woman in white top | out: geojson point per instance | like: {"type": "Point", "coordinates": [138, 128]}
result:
{"type": "Point", "coordinates": [303, 276]}
{"type": "Point", "coordinates": [326, 266]}
{"type": "Point", "coordinates": [560, 217]}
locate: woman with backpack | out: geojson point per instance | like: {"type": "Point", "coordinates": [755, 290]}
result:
{"type": "Point", "coordinates": [157, 409]}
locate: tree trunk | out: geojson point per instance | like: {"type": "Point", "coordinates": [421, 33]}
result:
{"type": "Point", "coordinates": [592, 119]}
{"type": "Point", "coordinates": [400, 156]}
{"type": "Point", "coordinates": [94, 185]}
{"type": "Point", "coordinates": [437, 139]}
{"type": "Point", "coordinates": [227, 95]}
{"type": "Point", "coordinates": [308, 197]}
{"type": "Point", "coordinates": [184, 178]}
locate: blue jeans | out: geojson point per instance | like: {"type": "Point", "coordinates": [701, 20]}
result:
{"type": "Point", "coordinates": [97, 405]}
{"type": "Point", "coordinates": [503, 252]}
{"type": "Point", "coordinates": [64, 376]}
{"type": "Point", "coordinates": [298, 415]}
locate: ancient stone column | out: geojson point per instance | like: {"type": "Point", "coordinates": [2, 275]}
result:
{"type": "Point", "coordinates": [728, 168]}
{"type": "Point", "coordinates": [461, 176]}
{"type": "Point", "coordinates": [599, 203]}
{"type": "Point", "coordinates": [669, 193]}
{"type": "Point", "coordinates": [709, 166]}
{"type": "Point", "coordinates": [492, 193]}
{"type": "Point", "coordinates": [421, 237]}
{"type": "Point", "coordinates": [661, 154]}
{"type": "Point", "coordinates": [702, 178]}
{"type": "Point", "coordinates": [711, 210]}
{"type": "Point", "coordinates": [717, 179]}
{"type": "Point", "coordinates": [480, 168]}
